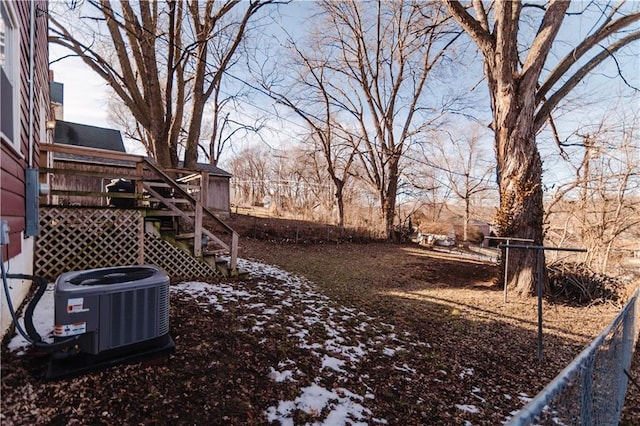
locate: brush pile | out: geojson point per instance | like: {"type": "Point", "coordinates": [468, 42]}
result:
{"type": "Point", "coordinates": [577, 284]}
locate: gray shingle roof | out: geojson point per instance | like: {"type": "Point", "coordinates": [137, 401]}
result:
{"type": "Point", "coordinates": [88, 136]}
{"type": "Point", "coordinates": [213, 170]}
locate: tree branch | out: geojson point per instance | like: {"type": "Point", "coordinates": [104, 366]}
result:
{"type": "Point", "coordinates": [552, 102]}
{"type": "Point", "coordinates": [476, 29]}
{"type": "Point", "coordinates": [607, 29]}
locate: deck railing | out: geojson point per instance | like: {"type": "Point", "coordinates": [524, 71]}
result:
{"type": "Point", "coordinates": [77, 175]}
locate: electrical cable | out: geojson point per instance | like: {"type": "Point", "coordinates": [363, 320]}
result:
{"type": "Point", "coordinates": [31, 335]}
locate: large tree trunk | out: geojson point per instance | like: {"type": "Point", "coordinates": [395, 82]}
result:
{"type": "Point", "coordinates": [339, 194]}
{"type": "Point", "coordinates": [520, 181]}
{"type": "Point", "coordinates": [389, 198]}
{"type": "Point", "coordinates": [161, 150]}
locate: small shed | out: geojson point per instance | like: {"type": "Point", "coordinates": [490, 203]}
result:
{"type": "Point", "coordinates": [216, 196]}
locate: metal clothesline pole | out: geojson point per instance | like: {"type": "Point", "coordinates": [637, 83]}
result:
{"type": "Point", "coordinates": [540, 250]}
{"type": "Point", "coordinates": [506, 257]}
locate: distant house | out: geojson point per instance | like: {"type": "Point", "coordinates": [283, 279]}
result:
{"type": "Point", "coordinates": [88, 136]}
{"type": "Point", "coordinates": [24, 113]}
{"type": "Point", "coordinates": [216, 198]}
{"type": "Point", "coordinates": [83, 135]}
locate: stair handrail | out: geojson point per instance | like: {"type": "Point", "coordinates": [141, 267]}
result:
{"type": "Point", "coordinates": [198, 205]}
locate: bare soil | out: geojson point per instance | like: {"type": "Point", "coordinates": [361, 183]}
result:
{"type": "Point", "coordinates": [219, 373]}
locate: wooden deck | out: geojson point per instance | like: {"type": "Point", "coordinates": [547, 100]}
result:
{"type": "Point", "coordinates": [171, 203]}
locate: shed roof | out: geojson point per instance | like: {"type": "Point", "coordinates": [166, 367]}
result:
{"type": "Point", "coordinates": [88, 136]}
{"type": "Point", "coordinates": [210, 168]}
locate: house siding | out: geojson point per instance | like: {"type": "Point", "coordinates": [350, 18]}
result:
{"type": "Point", "coordinates": [15, 159]}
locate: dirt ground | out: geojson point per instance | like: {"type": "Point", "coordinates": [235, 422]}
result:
{"type": "Point", "coordinates": [465, 346]}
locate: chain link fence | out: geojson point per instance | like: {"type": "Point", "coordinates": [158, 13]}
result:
{"type": "Point", "coordinates": [590, 390]}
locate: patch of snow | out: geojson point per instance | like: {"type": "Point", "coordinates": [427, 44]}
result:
{"type": "Point", "coordinates": [280, 376]}
{"type": "Point", "coordinates": [389, 352]}
{"type": "Point", "coordinates": [333, 363]}
{"type": "Point", "coordinates": [43, 321]}
{"type": "Point", "coordinates": [405, 368]}
{"type": "Point", "coordinates": [558, 421]}
{"type": "Point", "coordinates": [313, 400]}
{"type": "Point", "coordinates": [466, 372]}
{"type": "Point", "coordinates": [524, 397]}
{"type": "Point", "coordinates": [481, 399]}
{"type": "Point", "coordinates": [468, 408]}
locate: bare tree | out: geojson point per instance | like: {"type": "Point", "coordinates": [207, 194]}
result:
{"type": "Point", "coordinates": [376, 60]}
{"type": "Point", "coordinates": [522, 101]}
{"type": "Point", "coordinates": [465, 167]}
{"type": "Point", "coordinates": [168, 59]}
{"type": "Point", "coordinates": [224, 126]}
{"type": "Point", "coordinates": [423, 185]}
{"type": "Point", "coordinates": [598, 208]}
{"type": "Point", "coordinates": [307, 96]}
{"type": "Point", "coordinates": [251, 175]}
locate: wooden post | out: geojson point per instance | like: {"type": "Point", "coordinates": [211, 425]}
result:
{"type": "Point", "coordinates": [233, 265]}
{"type": "Point", "coordinates": [139, 182]}
{"type": "Point", "coordinates": [197, 237]}
{"type": "Point", "coordinates": [204, 188]}
{"type": "Point", "coordinates": [141, 241]}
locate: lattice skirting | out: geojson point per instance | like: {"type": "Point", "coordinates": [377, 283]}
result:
{"type": "Point", "coordinates": [73, 239]}
{"type": "Point", "coordinates": [178, 264]}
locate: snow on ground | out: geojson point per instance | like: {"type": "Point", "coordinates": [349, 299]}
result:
{"type": "Point", "coordinates": [340, 338]}
{"type": "Point", "coordinates": [42, 321]}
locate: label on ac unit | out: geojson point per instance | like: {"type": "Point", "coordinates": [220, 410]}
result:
{"type": "Point", "coordinates": [65, 330]}
{"type": "Point", "coordinates": [76, 305]}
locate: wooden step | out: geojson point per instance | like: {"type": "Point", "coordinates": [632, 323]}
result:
{"type": "Point", "coordinates": [167, 213]}
{"type": "Point", "coordinates": [168, 200]}
{"type": "Point", "coordinates": [215, 252]}
{"type": "Point", "coordinates": [187, 236]}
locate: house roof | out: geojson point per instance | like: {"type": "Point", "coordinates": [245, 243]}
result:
{"type": "Point", "coordinates": [210, 168]}
{"type": "Point", "coordinates": [56, 91]}
{"type": "Point", "coordinates": [88, 136]}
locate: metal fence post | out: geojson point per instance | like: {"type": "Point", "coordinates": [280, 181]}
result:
{"type": "Point", "coordinates": [540, 269]}
{"type": "Point", "coordinates": [506, 269]}
{"type": "Point", "coordinates": [540, 285]}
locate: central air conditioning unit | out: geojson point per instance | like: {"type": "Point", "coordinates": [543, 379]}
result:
{"type": "Point", "coordinates": [115, 315]}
